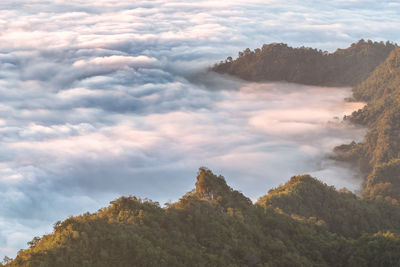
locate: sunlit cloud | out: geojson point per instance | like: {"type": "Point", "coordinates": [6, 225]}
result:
{"type": "Point", "coordinates": [103, 98]}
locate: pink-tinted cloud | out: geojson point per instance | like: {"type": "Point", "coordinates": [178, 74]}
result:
{"type": "Point", "coordinates": [103, 98]}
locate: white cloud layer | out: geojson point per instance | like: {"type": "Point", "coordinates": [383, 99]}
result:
{"type": "Point", "coordinates": [104, 98]}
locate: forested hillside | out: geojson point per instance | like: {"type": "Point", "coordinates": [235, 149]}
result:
{"type": "Point", "coordinates": [379, 153]}
{"type": "Point", "coordinates": [279, 62]}
{"type": "Point", "coordinates": [215, 225]}
{"type": "Point", "coordinates": [373, 69]}
{"type": "Point", "coordinates": [341, 211]}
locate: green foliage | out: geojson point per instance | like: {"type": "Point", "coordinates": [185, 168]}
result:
{"type": "Point", "coordinates": [384, 182]}
{"type": "Point", "coordinates": [215, 225]}
{"type": "Point", "coordinates": [279, 62]}
{"type": "Point", "coordinates": [379, 154]}
{"type": "Point", "coordinates": [341, 212]}
{"type": "Point", "coordinates": [380, 249]}
{"type": "Point", "coordinates": [384, 81]}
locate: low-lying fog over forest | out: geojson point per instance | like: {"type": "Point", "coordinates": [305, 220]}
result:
{"type": "Point", "coordinates": [113, 98]}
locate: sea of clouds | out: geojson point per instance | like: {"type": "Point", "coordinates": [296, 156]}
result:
{"type": "Point", "coordinates": [106, 98]}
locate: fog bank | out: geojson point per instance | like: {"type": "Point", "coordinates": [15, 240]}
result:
{"type": "Point", "coordinates": [101, 98]}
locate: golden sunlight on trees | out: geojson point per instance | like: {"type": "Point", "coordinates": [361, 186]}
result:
{"type": "Point", "coordinates": [301, 223]}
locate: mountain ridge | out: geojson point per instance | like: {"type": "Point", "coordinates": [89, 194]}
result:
{"type": "Point", "coordinates": [280, 62]}
{"type": "Point", "coordinates": [200, 230]}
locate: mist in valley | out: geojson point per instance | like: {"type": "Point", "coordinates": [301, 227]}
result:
{"type": "Point", "coordinates": [103, 100]}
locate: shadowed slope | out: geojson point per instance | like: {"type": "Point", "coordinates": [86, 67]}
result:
{"type": "Point", "coordinates": [379, 153]}
{"type": "Point", "coordinates": [341, 211]}
{"type": "Point", "coordinates": [279, 62]}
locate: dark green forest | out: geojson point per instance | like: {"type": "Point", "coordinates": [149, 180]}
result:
{"type": "Point", "coordinates": [279, 62]}
{"type": "Point", "coordinates": [301, 223]}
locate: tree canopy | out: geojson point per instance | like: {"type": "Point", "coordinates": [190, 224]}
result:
{"type": "Point", "coordinates": [378, 155]}
{"type": "Point", "coordinates": [279, 62]}
{"type": "Point", "coordinates": [301, 223]}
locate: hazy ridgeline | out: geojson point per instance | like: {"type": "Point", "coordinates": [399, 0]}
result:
{"type": "Point", "coordinates": [279, 62]}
